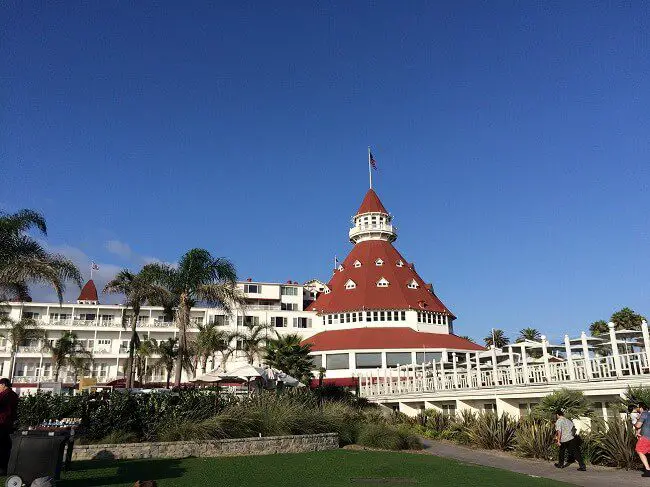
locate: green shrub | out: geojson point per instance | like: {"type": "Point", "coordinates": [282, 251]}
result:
{"type": "Point", "coordinates": [572, 403]}
{"type": "Point", "coordinates": [342, 419]}
{"type": "Point", "coordinates": [535, 438]}
{"type": "Point", "coordinates": [492, 432]}
{"type": "Point", "coordinates": [635, 395]}
{"type": "Point", "coordinates": [614, 445]}
{"type": "Point", "coordinates": [436, 421]}
{"type": "Point", "coordinates": [119, 436]}
{"type": "Point", "coordinates": [388, 437]}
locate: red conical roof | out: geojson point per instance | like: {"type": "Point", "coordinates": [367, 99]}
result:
{"type": "Point", "coordinates": [371, 204]}
{"type": "Point", "coordinates": [366, 295]}
{"type": "Point", "coordinates": [88, 292]}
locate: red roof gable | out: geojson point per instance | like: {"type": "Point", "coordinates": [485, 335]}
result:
{"type": "Point", "coordinates": [371, 204]}
{"type": "Point", "coordinates": [88, 292]}
{"type": "Point", "coordinates": [366, 295]}
{"type": "Point", "coordinates": [379, 338]}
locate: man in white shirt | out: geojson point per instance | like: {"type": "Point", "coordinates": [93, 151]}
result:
{"type": "Point", "coordinates": [567, 441]}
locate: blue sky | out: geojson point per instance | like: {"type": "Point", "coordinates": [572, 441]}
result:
{"type": "Point", "coordinates": [511, 138]}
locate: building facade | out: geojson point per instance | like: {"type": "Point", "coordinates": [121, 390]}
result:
{"type": "Point", "coordinates": [376, 311]}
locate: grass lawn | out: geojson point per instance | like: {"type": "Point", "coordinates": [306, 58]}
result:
{"type": "Point", "coordinates": [327, 469]}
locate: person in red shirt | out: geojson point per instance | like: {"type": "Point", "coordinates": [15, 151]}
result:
{"type": "Point", "coordinates": [8, 416]}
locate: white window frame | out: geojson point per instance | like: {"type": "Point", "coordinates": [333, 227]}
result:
{"type": "Point", "coordinates": [379, 262]}
{"type": "Point", "coordinates": [383, 282]}
{"type": "Point", "coordinates": [412, 284]}
{"type": "Point", "coordinates": [350, 284]}
{"type": "Point", "coordinates": [357, 264]}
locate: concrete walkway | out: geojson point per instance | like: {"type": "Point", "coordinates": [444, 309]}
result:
{"type": "Point", "coordinates": [593, 477]}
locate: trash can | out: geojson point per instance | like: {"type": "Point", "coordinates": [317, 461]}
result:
{"type": "Point", "coordinates": [36, 454]}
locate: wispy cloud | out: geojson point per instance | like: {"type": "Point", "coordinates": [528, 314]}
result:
{"type": "Point", "coordinates": [120, 249]}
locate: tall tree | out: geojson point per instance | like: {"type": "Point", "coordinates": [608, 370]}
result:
{"type": "Point", "coordinates": [80, 364]}
{"type": "Point", "coordinates": [285, 352]}
{"type": "Point", "coordinates": [497, 338]}
{"type": "Point", "coordinates": [18, 333]}
{"type": "Point", "coordinates": [531, 334]}
{"type": "Point", "coordinates": [210, 340]}
{"type": "Point", "coordinates": [138, 289]}
{"type": "Point", "coordinates": [145, 349]}
{"type": "Point", "coordinates": [626, 319]}
{"type": "Point", "coordinates": [168, 352]}
{"type": "Point", "coordinates": [23, 260]}
{"type": "Point", "coordinates": [599, 327]}
{"type": "Point", "coordinates": [63, 349]}
{"type": "Point", "coordinates": [252, 341]}
{"type": "Point", "coordinates": [199, 277]}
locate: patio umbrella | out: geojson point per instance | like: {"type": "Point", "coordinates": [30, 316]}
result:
{"type": "Point", "coordinates": [208, 378]}
{"type": "Point", "coordinates": [245, 372]}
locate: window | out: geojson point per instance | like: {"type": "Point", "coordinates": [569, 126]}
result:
{"type": "Point", "coordinates": [340, 268]}
{"type": "Point", "coordinates": [219, 320]}
{"type": "Point", "coordinates": [289, 291]}
{"type": "Point", "coordinates": [490, 407]}
{"type": "Point", "coordinates": [379, 262]}
{"type": "Point", "coordinates": [357, 264]}
{"type": "Point", "coordinates": [279, 321]}
{"type": "Point", "coordinates": [143, 319]}
{"type": "Point", "coordinates": [427, 357]}
{"type": "Point", "coordinates": [33, 315]}
{"type": "Point", "coordinates": [382, 316]}
{"type": "Point", "coordinates": [302, 322]}
{"type": "Point", "coordinates": [382, 282]}
{"type": "Point", "coordinates": [449, 410]}
{"type": "Point", "coordinates": [329, 319]}
{"type": "Point", "coordinates": [59, 316]}
{"type": "Point", "coordinates": [403, 315]}
{"type": "Point", "coordinates": [249, 321]}
{"type": "Point", "coordinates": [350, 284]}
{"type": "Point", "coordinates": [375, 316]}
{"type": "Point", "coordinates": [253, 288]}
{"type": "Point", "coordinates": [327, 291]}
{"type": "Point", "coordinates": [337, 361]}
{"type": "Point", "coordinates": [354, 317]}
{"type": "Point", "coordinates": [289, 306]}
{"type": "Point", "coordinates": [107, 318]}
{"type": "Point", "coordinates": [412, 284]}
{"type": "Point", "coordinates": [316, 361]}
{"type": "Point", "coordinates": [367, 360]}
{"type": "Point", "coordinates": [87, 316]}
{"type": "Point", "coordinates": [398, 358]}
{"type": "Point", "coordinates": [103, 342]}
{"type": "Point", "coordinates": [197, 320]}
{"type": "Point", "coordinates": [400, 263]}
{"type": "Point", "coordinates": [389, 316]}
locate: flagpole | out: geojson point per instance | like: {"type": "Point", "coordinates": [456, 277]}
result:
{"type": "Point", "coordinates": [369, 168]}
{"type": "Point", "coordinates": [92, 264]}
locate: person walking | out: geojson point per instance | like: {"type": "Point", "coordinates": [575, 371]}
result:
{"type": "Point", "coordinates": [567, 441]}
{"type": "Point", "coordinates": [643, 434]}
{"type": "Point", "coordinates": [8, 415]}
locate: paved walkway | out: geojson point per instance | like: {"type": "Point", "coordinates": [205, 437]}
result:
{"type": "Point", "coordinates": [593, 477]}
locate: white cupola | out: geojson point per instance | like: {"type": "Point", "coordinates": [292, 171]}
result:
{"type": "Point", "coordinates": [372, 221]}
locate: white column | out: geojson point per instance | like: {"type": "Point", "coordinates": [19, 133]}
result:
{"type": "Point", "coordinates": [547, 367]}
{"type": "Point", "coordinates": [377, 386]}
{"type": "Point", "coordinates": [569, 358]}
{"type": "Point", "coordinates": [414, 377]}
{"type": "Point", "coordinates": [585, 353]}
{"type": "Point", "coordinates": [646, 342]}
{"type": "Point", "coordinates": [479, 382]}
{"type": "Point", "coordinates": [495, 376]}
{"type": "Point", "coordinates": [513, 372]}
{"type": "Point", "coordinates": [524, 362]}
{"type": "Point", "coordinates": [455, 369]}
{"type": "Point", "coordinates": [468, 366]}
{"type": "Point", "coordinates": [617, 358]}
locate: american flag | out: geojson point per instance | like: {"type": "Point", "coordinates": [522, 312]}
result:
{"type": "Point", "coordinates": [94, 266]}
{"type": "Point", "coordinates": [373, 163]}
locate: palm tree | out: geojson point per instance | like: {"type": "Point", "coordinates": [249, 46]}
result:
{"type": "Point", "coordinates": [138, 289]}
{"type": "Point", "coordinates": [199, 277]}
{"type": "Point", "coordinates": [209, 341]}
{"type": "Point", "coordinates": [145, 349]}
{"type": "Point", "coordinates": [80, 364]}
{"type": "Point", "coordinates": [63, 350]}
{"type": "Point", "coordinates": [168, 351]}
{"type": "Point", "coordinates": [531, 334]}
{"type": "Point", "coordinates": [599, 327]}
{"type": "Point", "coordinates": [253, 340]}
{"type": "Point", "coordinates": [18, 333]}
{"type": "Point", "coordinates": [285, 352]}
{"type": "Point", "coordinates": [497, 339]}
{"type": "Point", "coordinates": [23, 259]}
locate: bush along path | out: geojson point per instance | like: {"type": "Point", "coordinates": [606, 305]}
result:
{"type": "Point", "coordinates": [595, 476]}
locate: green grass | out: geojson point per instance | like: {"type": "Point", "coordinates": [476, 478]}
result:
{"type": "Point", "coordinates": [328, 469]}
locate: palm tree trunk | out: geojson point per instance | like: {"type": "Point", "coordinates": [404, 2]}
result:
{"type": "Point", "coordinates": [183, 315]}
{"type": "Point", "coordinates": [12, 361]}
{"type": "Point", "coordinates": [169, 376]}
{"type": "Point", "coordinates": [56, 373]}
{"type": "Point", "coordinates": [129, 361]}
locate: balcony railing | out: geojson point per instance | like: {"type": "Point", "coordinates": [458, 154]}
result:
{"type": "Point", "coordinates": [439, 377]}
{"type": "Point", "coordinates": [373, 227]}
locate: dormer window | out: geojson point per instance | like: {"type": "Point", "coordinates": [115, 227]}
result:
{"type": "Point", "coordinates": [357, 264]}
{"type": "Point", "coordinates": [350, 284]}
{"type": "Point", "coordinates": [400, 263]}
{"type": "Point", "coordinates": [327, 291]}
{"type": "Point", "coordinates": [382, 282]}
{"type": "Point", "coordinates": [379, 262]}
{"type": "Point", "coordinates": [340, 268]}
{"type": "Point", "coordinates": [412, 284]}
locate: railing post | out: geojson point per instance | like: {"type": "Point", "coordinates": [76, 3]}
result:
{"type": "Point", "coordinates": [585, 353]}
{"type": "Point", "coordinates": [524, 362]}
{"type": "Point", "coordinates": [377, 386]}
{"type": "Point", "coordinates": [617, 357]}
{"type": "Point", "coordinates": [415, 378]}
{"type": "Point", "coordinates": [479, 380]}
{"type": "Point", "coordinates": [434, 378]}
{"type": "Point", "coordinates": [646, 342]}
{"type": "Point", "coordinates": [547, 367]}
{"type": "Point", "coordinates": [442, 375]}
{"type": "Point", "coordinates": [569, 358]}
{"type": "Point", "coordinates": [511, 357]}
{"type": "Point", "coordinates": [468, 366]}
{"type": "Point", "coordinates": [453, 360]}
{"type": "Point", "coordinates": [495, 376]}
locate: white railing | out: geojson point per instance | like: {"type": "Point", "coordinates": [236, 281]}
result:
{"type": "Point", "coordinates": [378, 227]}
{"type": "Point", "coordinates": [435, 377]}
{"type": "Point", "coordinates": [29, 349]}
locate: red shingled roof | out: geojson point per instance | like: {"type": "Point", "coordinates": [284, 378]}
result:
{"type": "Point", "coordinates": [366, 295]}
{"type": "Point", "coordinates": [371, 204]}
{"type": "Point", "coordinates": [380, 338]}
{"type": "Point", "coordinates": [88, 292]}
